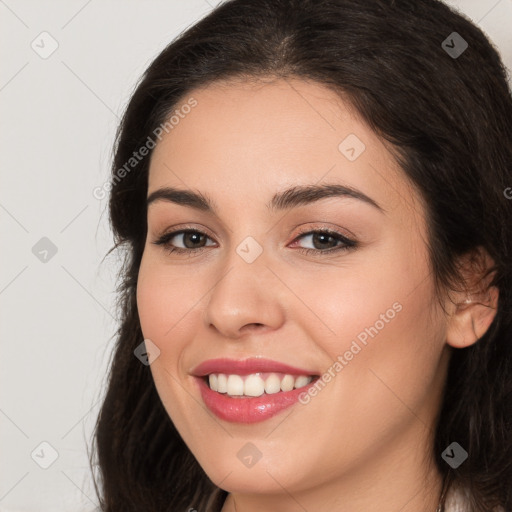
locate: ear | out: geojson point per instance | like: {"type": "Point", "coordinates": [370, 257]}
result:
{"type": "Point", "coordinates": [474, 309]}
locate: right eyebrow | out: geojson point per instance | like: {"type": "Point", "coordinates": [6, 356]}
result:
{"type": "Point", "coordinates": [182, 197]}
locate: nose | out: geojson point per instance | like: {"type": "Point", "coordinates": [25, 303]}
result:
{"type": "Point", "coordinates": [246, 298]}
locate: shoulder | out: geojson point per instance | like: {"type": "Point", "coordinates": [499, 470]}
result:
{"type": "Point", "coordinates": [457, 500]}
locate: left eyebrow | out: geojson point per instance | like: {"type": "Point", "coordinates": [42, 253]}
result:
{"type": "Point", "coordinates": [301, 195]}
{"type": "Point", "coordinates": [284, 200]}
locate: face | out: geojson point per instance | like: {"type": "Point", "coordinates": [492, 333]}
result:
{"type": "Point", "coordinates": [318, 305]}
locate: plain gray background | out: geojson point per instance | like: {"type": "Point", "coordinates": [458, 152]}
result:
{"type": "Point", "coordinates": [58, 117]}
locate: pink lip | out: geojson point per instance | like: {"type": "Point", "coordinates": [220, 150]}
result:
{"type": "Point", "coordinates": [244, 409]}
{"type": "Point", "coordinates": [246, 366]}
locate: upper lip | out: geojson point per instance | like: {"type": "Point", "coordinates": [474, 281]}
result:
{"type": "Point", "coordinates": [246, 367]}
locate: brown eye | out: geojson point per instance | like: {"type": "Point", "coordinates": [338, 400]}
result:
{"type": "Point", "coordinates": [192, 241]}
{"type": "Point", "coordinates": [189, 238]}
{"type": "Point", "coordinates": [326, 242]}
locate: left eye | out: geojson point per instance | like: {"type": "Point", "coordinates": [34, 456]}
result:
{"type": "Point", "coordinates": [321, 238]}
{"type": "Point", "coordinates": [191, 237]}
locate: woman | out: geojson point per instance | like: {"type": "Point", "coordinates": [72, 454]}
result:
{"type": "Point", "coordinates": [316, 296]}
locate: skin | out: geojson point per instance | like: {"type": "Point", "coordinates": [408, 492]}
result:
{"type": "Point", "coordinates": [364, 442]}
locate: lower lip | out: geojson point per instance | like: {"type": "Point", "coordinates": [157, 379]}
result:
{"type": "Point", "coordinates": [249, 410]}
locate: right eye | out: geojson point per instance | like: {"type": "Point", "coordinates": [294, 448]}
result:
{"type": "Point", "coordinates": [188, 237]}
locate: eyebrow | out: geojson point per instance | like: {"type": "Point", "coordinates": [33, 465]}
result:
{"type": "Point", "coordinates": [287, 199]}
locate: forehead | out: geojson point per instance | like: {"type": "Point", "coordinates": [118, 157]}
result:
{"type": "Point", "coordinates": [247, 140]}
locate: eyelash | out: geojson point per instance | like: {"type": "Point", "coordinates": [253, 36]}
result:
{"type": "Point", "coordinates": [348, 244]}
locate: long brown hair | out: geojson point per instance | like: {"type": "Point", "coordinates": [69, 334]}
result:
{"type": "Point", "coordinates": [448, 119]}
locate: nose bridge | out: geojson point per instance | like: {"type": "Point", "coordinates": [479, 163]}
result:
{"type": "Point", "coordinates": [244, 294]}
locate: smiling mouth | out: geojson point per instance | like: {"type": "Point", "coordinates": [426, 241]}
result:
{"type": "Point", "coordinates": [256, 384]}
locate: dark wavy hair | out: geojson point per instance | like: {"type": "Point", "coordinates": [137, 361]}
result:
{"type": "Point", "coordinates": [448, 122]}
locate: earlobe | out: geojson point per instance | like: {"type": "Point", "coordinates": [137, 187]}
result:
{"type": "Point", "coordinates": [474, 311]}
{"type": "Point", "coordinates": [471, 319]}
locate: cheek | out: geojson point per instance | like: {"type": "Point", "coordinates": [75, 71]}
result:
{"type": "Point", "coordinates": [382, 365]}
{"type": "Point", "coordinates": [164, 306]}
{"type": "Point", "coordinates": [151, 299]}
{"type": "Point", "coordinates": [380, 331]}
{"type": "Point", "coordinates": [164, 299]}
{"type": "Point", "coordinates": [377, 295]}
{"type": "Point", "coordinates": [164, 310]}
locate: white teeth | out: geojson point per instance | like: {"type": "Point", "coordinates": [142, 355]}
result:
{"type": "Point", "coordinates": [235, 385]}
{"type": "Point", "coordinates": [287, 383]}
{"type": "Point", "coordinates": [222, 383]}
{"type": "Point", "coordinates": [272, 384]}
{"type": "Point", "coordinates": [256, 384]}
{"type": "Point", "coordinates": [302, 381]}
{"type": "Point", "coordinates": [213, 382]}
